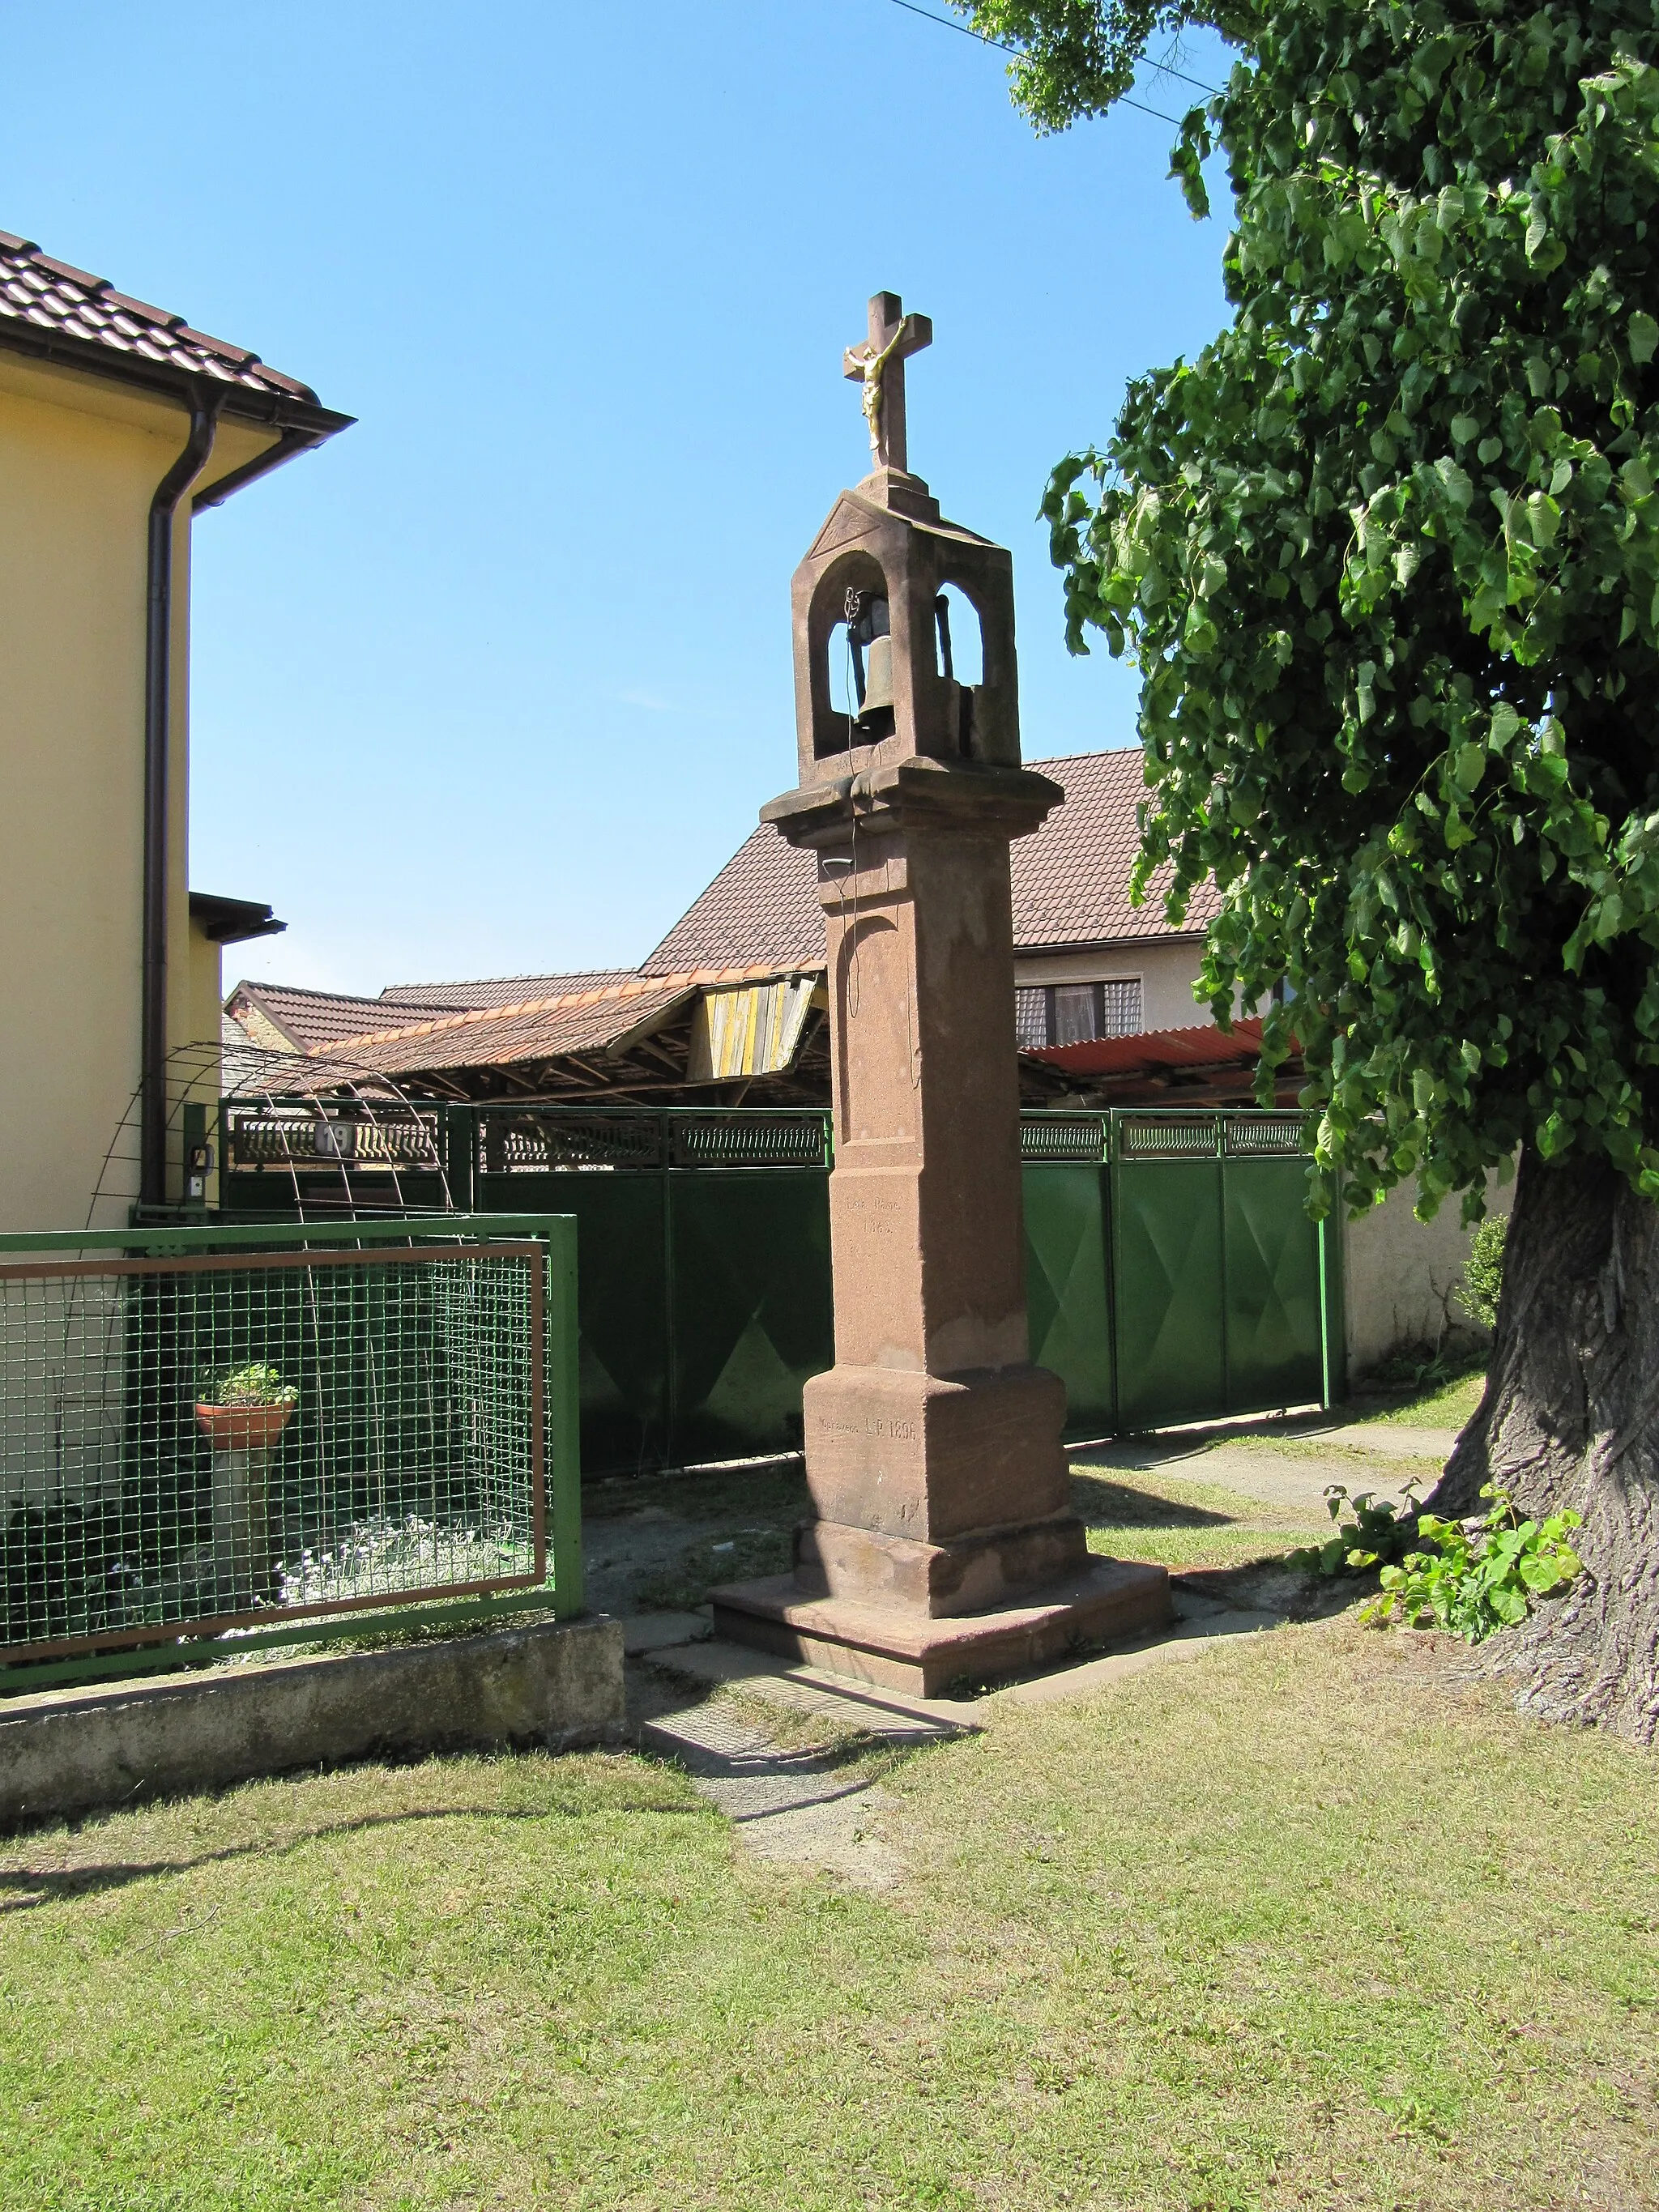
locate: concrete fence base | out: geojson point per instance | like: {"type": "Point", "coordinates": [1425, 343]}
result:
{"type": "Point", "coordinates": [556, 1685]}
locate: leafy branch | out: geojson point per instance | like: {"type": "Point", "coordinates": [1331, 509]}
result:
{"type": "Point", "coordinates": [1477, 1577]}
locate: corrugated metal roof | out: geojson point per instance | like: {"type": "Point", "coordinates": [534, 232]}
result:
{"type": "Point", "coordinates": [1203, 1046]}
{"type": "Point", "coordinates": [536, 1029]}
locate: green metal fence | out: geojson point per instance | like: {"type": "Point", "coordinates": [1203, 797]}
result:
{"type": "Point", "coordinates": [1173, 1272]}
{"type": "Point", "coordinates": [214, 1429]}
{"type": "Point", "coordinates": [704, 1242]}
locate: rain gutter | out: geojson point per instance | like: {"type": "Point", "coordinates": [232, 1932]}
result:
{"type": "Point", "coordinates": [205, 403]}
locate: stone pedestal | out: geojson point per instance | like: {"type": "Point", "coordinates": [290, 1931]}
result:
{"type": "Point", "coordinates": [943, 1542]}
{"type": "Point", "coordinates": [238, 1559]}
{"type": "Point", "coordinates": [1113, 1601]}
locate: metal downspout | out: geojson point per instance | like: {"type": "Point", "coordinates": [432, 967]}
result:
{"type": "Point", "coordinates": [158, 732]}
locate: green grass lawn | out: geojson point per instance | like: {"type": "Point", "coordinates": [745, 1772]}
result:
{"type": "Point", "coordinates": [1175, 1523]}
{"type": "Point", "coordinates": [1302, 1922]}
{"type": "Point", "coordinates": [1435, 1405]}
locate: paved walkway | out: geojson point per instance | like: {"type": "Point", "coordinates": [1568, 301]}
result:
{"type": "Point", "coordinates": [800, 1806]}
{"type": "Point", "coordinates": [816, 1808]}
{"type": "Point", "coordinates": [1285, 1465]}
{"type": "Point", "coordinates": [821, 1807]}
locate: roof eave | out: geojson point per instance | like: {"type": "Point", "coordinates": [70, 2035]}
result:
{"type": "Point", "coordinates": [303, 422]}
{"type": "Point", "coordinates": [233, 922]}
{"type": "Point", "coordinates": [1051, 947]}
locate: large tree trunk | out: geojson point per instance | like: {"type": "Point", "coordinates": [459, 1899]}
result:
{"type": "Point", "coordinates": [1571, 1417]}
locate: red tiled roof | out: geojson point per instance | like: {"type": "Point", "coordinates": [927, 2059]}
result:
{"type": "Point", "coordinates": [537, 1028]}
{"type": "Point", "coordinates": [59, 300]}
{"type": "Point", "coordinates": [764, 905]}
{"type": "Point", "coordinates": [503, 990]}
{"type": "Point", "coordinates": [1071, 879]}
{"type": "Point", "coordinates": [1071, 882]}
{"type": "Point", "coordinates": [304, 1019]}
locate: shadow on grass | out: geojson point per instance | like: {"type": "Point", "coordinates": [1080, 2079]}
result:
{"type": "Point", "coordinates": [1104, 1503]}
{"type": "Point", "coordinates": [770, 1490]}
{"type": "Point", "coordinates": [22, 1887]}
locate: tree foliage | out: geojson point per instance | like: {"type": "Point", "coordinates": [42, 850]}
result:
{"type": "Point", "coordinates": [1387, 555]}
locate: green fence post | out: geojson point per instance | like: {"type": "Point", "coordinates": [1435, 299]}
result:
{"type": "Point", "coordinates": [1109, 1176]}
{"type": "Point", "coordinates": [1226, 1279]}
{"type": "Point", "coordinates": [1333, 1308]}
{"type": "Point", "coordinates": [563, 1422]}
{"type": "Point", "coordinates": [458, 1141]}
{"type": "Point", "coordinates": [670, 1294]}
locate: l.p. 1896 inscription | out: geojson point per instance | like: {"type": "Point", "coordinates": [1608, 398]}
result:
{"type": "Point", "coordinates": [874, 1424]}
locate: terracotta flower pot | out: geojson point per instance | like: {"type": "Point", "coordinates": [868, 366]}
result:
{"type": "Point", "coordinates": [243, 1428]}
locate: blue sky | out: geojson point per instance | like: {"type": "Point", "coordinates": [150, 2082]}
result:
{"type": "Point", "coordinates": [495, 682]}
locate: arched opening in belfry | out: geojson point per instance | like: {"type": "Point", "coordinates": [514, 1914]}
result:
{"type": "Point", "coordinates": [959, 658]}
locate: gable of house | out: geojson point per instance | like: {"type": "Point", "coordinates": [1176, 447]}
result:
{"type": "Point", "coordinates": [1070, 883]}
{"type": "Point", "coordinates": [101, 396]}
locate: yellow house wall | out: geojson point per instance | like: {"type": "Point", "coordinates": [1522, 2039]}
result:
{"type": "Point", "coordinates": [79, 463]}
{"type": "Point", "coordinates": [206, 1001]}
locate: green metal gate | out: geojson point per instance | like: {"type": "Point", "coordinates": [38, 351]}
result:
{"type": "Point", "coordinates": [703, 1235]}
{"type": "Point", "coordinates": [1172, 1271]}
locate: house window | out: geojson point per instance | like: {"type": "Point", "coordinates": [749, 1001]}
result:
{"type": "Point", "coordinates": [1076, 1013]}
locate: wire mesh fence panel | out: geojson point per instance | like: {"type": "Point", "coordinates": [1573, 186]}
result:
{"type": "Point", "coordinates": [226, 1440]}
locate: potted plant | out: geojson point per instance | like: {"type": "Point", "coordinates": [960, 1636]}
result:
{"type": "Point", "coordinates": [248, 1409]}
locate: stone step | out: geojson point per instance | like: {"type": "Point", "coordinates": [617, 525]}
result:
{"type": "Point", "coordinates": [894, 1716]}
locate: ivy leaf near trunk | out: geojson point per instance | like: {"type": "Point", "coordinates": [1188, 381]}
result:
{"type": "Point", "coordinates": [1387, 555]}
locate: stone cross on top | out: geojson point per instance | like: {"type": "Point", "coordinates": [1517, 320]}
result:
{"type": "Point", "coordinates": [879, 365]}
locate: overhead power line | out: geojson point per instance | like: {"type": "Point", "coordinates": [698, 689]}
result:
{"type": "Point", "coordinates": [967, 31]}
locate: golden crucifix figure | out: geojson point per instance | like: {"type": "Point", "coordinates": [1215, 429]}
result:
{"type": "Point", "coordinates": [879, 367]}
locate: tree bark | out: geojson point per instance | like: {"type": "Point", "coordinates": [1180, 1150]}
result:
{"type": "Point", "coordinates": [1571, 1417]}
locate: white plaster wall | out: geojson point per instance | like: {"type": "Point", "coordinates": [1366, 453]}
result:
{"type": "Point", "coordinates": [1167, 969]}
{"type": "Point", "coordinates": [1400, 1273]}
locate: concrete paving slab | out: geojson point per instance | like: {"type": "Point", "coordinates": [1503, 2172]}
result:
{"type": "Point", "coordinates": [1206, 1628]}
{"type": "Point", "coordinates": [790, 1805]}
{"type": "Point", "coordinates": [893, 1715]}
{"type": "Point", "coordinates": [1390, 1440]}
{"type": "Point", "coordinates": [1294, 1481]}
{"type": "Point", "coordinates": [658, 1631]}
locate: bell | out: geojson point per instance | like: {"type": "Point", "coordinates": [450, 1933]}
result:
{"type": "Point", "coordinates": [878, 677]}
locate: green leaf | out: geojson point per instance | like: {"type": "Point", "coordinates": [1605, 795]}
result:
{"type": "Point", "coordinates": [1419, 497]}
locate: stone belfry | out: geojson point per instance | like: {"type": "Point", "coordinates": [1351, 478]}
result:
{"type": "Point", "coordinates": [944, 1541]}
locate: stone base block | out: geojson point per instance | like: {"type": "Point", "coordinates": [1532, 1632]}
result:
{"type": "Point", "coordinates": [65, 1752]}
{"type": "Point", "coordinates": [931, 1458]}
{"type": "Point", "coordinates": [1111, 1601]}
{"type": "Point", "coordinates": [971, 1574]}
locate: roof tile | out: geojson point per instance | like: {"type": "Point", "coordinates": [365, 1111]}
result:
{"type": "Point", "coordinates": [58, 296]}
{"type": "Point", "coordinates": [84, 277]}
{"type": "Point", "coordinates": [1071, 882]}
{"type": "Point", "coordinates": [503, 990]}
{"type": "Point", "coordinates": [309, 1019]}
{"type": "Point", "coordinates": [129, 306]}
{"type": "Point", "coordinates": [536, 1029]}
